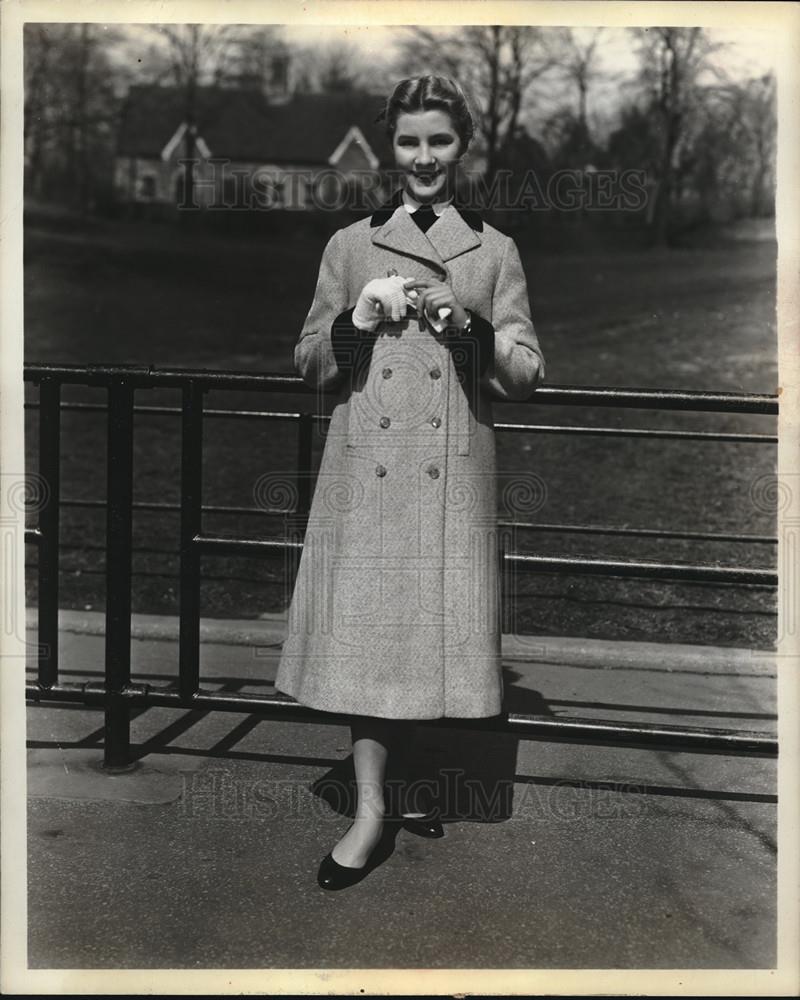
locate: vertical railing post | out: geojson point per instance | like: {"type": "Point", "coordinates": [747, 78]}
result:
{"type": "Point", "coordinates": [48, 556]}
{"type": "Point", "coordinates": [191, 527]}
{"type": "Point", "coordinates": [119, 538]}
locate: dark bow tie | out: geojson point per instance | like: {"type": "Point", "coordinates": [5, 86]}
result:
{"type": "Point", "coordinates": [424, 217]}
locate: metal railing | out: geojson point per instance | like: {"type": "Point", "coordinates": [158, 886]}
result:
{"type": "Point", "coordinates": [118, 695]}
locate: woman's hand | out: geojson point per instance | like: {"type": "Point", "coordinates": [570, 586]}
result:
{"type": "Point", "coordinates": [381, 299]}
{"type": "Point", "coordinates": [436, 295]}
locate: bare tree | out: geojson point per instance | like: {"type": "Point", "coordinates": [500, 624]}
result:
{"type": "Point", "coordinates": [40, 56]}
{"type": "Point", "coordinates": [580, 65]}
{"type": "Point", "coordinates": [497, 65]}
{"type": "Point", "coordinates": [195, 55]}
{"type": "Point", "coordinates": [750, 123]}
{"type": "Point", "coordinates": [338, 66]}
{"type": "Point", "coordinates": [566, 130]}
{"type": "Point", "coordinates": [253, 56]}
{"type": "Point", "coordinates": [70, 105]}
{"type": "Point", "coordinates": [672, 61]}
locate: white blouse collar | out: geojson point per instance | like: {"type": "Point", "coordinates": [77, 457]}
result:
{"type": "Point", "coordinates": [411, 204]}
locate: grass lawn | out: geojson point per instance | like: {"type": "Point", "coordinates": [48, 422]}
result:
{"type": "Point", "coordinates": [700, 318]}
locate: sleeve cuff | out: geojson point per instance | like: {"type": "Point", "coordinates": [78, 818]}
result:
{"type": "Point", "coordinates": [351, 347]}
{"type": "Point", "coordinates": [472, 352]}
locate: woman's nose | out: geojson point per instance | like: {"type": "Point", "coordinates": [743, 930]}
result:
{"type": "Point", "coordinates": [424, 157]}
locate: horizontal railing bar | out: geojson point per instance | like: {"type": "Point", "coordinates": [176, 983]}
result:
{"type": "Point", "coordinates": [175, 411]}
{"type": "Point", "coordinates": [602, 529]}
{"type": "Point", "coordinates": [622, 432]}
{"type": "Point", "coordinates": [161, 508]}
{"type": "Point", "coordinates": [562, 729]}
{"type": "Point", "coordinates": [660, 399]}
{"type": "Point", "coordinates": [702, 536]}
{"type": "Point", "coordinates": [535, 564]}
{"type": "Point", "coordinates": [650, 570]}
{"type": "Point", "coordinates": [641, 432]}
{"type": "Point", "coordinates": [149, 376]}
{"type": "Point", "coordinates": [243, 546]}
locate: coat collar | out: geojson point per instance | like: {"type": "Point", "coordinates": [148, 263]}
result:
{"type": "Point", "coordinates": [385, 212]}
{"type": "Point", "coordinates": [454, 232]}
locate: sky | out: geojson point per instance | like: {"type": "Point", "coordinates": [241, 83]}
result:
{"type": "Point", "coordinates": [747, 53]}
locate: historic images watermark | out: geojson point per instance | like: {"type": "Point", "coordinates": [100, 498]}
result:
{"type": "Point", "coordinates": [218, 795]}
{"type": "Point", "coordinates": [216, 184]}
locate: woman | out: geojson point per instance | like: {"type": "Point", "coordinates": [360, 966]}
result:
{"type": "Point", "coordinates": [420, 317]}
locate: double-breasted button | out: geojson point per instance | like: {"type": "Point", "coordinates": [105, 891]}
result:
{"type": "Point", "coordinates": [436, 373]}
{"type": "Point", "coordinates": [433, 472]}
{"type": "Point", "coordinates": [436, 421]}
{"type": "Point", "coordinates": [385, 421]}
{"type": "Point", "coordinates": [380, 470]}
{"type": "Point", "coordinates": [387, 373]}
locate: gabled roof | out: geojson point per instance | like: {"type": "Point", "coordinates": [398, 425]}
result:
{"type": "Point", "coordinates": [354, 137]}
{"type": "Point", "coordinates": [244, 125]}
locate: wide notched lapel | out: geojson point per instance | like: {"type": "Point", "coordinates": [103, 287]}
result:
{"type": "Point", "coordinates": [451, 234]}
{"type": "Point", "coordinates": [401, 234]}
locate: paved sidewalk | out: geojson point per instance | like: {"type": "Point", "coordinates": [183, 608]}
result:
{"type": "Point", "coordinates": [555, 856]}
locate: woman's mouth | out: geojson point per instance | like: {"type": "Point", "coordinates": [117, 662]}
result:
{"type": "Point", "coordinates": [427, 178]}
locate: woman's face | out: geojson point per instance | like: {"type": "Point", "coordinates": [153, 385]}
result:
{"type": "Point", "coordinates": [427, 149]}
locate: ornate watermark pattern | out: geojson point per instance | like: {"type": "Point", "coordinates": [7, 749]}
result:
{"type": "Point", "coordinates": [25, 493]}
{"type": "Point", "coordinates": [523, 495]}
{"type": "Point", "coordinates": [382, 547]}
{"type": "Point", "coordinates": [778, 494]}
{"type": "Point", "coordinates": [771, 493]}
{"type": "Point", "coordinates": [218, 185]}
{"type": "Point", "coordinates": [20, 494]}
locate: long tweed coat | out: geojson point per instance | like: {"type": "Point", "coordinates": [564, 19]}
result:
{"type": "Point", "coordinates": [395, 611]}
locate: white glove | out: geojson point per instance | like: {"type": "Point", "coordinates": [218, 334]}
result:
{"type": "Point", "coordinates": [381, 299]}
{"type": "Point", "coordinates": [411, 299]}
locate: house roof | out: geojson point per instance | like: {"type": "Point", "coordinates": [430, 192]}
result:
{"type": "Point", "coordinates": [242, 124]}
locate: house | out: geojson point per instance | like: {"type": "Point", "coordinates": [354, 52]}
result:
{"type": "Point", "coordinates": [249, 149]}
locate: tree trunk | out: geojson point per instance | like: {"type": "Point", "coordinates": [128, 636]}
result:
{"type": "Point", "coordinates": [666, 188]}
{"type": "Point", "coordinates": [493, 109]}
{"type": "Point", "coordinates": [82, 162]}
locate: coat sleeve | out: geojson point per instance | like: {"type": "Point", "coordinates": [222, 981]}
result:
{"type": "Point", "coordinates": [329, 344]}
{"type": "Point", "coordinates": [518, 364]}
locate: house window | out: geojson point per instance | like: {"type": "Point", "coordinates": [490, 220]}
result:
{"type": "Point", "coordinates": [279, 74]}
{"type": "Point", "coordinates": [147, 187]}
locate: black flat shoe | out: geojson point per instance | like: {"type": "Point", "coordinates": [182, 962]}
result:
{"type": "Point", "coordinates": [424, 826]}
{"type": "Point", "coordinates": [333, 876]}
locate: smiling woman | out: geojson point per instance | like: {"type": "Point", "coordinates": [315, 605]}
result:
{"type": "Point", "coordinates": [420, 318]}
{"type": "Point", "coordinates": [430, 127]}
{"type": "Point", "coordinates": [426, 148]}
